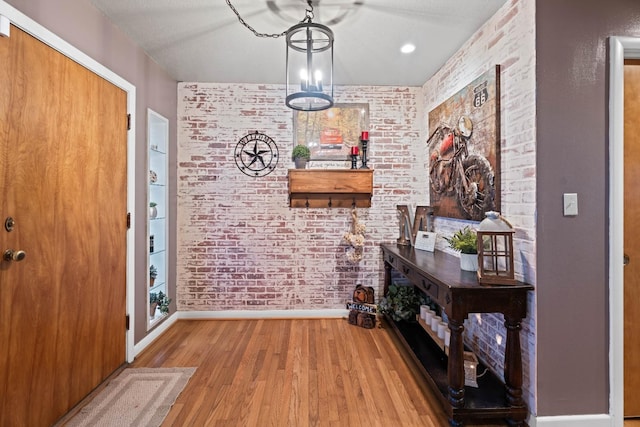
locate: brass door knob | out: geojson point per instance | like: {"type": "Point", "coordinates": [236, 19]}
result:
{"type": "Point", "coordinates": [11, 255]}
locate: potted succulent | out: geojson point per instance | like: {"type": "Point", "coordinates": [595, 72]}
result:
{"type": "Point", "coordinates": [301, 154]}
{"type": "Point", "coordinates": [465, 241]}
{"type": "Point", "coordinates": [401, 303]}
{"type": "Point", "coordinates": [153, 273]}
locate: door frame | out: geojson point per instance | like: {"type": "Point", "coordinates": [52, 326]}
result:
{"type": "Point", "coordinates": [36, 30]}
{"type": "Point", "coordinates": [620, 48]}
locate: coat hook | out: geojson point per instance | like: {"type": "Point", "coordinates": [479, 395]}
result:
{"type": "Point", "coordinates": [353, 205]}
{"type": "Point", "coordinates": [307, 203]}
{"type": "Point", "coordinates": [329, 201]}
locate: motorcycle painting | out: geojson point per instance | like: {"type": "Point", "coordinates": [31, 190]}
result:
{"type": "Point", "coordinates": [463, 148]}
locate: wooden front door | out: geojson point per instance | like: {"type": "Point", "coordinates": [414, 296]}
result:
{"type": "Point", "coordinates": [632, 238]}
{"type": "Point", "coordinates": [63, 147]}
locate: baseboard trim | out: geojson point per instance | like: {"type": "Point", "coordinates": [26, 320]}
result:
{"type": "Point", "coordinates": [154, 334]}
{"type": "Point", "coordinates": [264, 314]}
{"type": "Point", "coordinates": [595, 420]}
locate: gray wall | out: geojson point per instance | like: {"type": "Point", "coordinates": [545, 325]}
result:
{"type": "Point", "coordinates": [572, 252]}
{"type": "Point", "coordinates": [79, 23]}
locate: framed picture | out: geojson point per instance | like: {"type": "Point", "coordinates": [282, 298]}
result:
{"type": "Point", "coordinates": [464, 150]}
{"type": "Point", "coordinates": [331, 133]}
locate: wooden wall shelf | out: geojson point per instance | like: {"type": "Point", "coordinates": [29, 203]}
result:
{"type": "Point", "coordinates": [330, 188]}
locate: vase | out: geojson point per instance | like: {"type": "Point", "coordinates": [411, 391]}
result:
{"type": "Point", "coordinates": [469, 262]}
{"type": "Point", "coordinates": [153, 212]}
{"type": "Point", "coordinates": [301, 162]}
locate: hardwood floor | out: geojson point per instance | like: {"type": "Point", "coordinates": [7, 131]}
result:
{"type": "Point", "coordinates": [303, 372]}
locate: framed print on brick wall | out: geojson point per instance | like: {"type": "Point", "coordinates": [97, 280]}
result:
{"type": "Point", "coordinates": [464, 150]}
{"type": "Point", "coordinates": [331, 133]}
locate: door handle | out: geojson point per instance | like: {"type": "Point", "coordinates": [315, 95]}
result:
{"type": "Point", "coordinates": [11, 255]}
{"type": "Point", "coordinates": [625, 259]}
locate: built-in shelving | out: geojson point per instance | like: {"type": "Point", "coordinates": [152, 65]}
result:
{"type": "Point", "coordinates": [157, 223]}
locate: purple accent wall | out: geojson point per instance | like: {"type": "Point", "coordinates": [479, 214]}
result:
{"type": "Point", "coordinates": [572, 156]}
{"type": "Point", "coordinates": [79, 23]}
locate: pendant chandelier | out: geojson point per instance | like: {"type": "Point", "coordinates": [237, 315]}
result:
{"type": "Point", "coordinates": [309, 63]}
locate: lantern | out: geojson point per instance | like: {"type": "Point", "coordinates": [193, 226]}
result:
{"type": "Point", "coordinates": [495, 250]}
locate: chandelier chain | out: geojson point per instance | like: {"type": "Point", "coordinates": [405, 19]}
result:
{"type": "Point", "coordinates": [308, 17]}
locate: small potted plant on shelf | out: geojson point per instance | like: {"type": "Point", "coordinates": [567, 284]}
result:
{"type": "Point", "coordinates": [153, 303]}
{"type": "Point", "coordinates": [401, 303]}
{"type": "Point", "coordinates": [160, 301]}
{"type": "Point", "coordinates": [163, 302]}
{"type": "Point", "coordinates": [153, 273]}
{"type": "Point", "coordinates": [465, 241]}
{"type": "Point", "coordinates": [153, 210]}
{"type": "Point", "coordinates": [301, 154]}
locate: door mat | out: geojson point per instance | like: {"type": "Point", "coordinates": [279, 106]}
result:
{"type": "Point", "coordinates": [136, 397]}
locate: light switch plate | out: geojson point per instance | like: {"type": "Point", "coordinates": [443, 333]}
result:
{"type": "Point", "coordinates": [570, 204]}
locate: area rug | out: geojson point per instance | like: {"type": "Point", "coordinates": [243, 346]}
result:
{"type": "Point", "coordinates": [136, 397]}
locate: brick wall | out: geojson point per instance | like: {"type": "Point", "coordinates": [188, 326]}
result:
{"type": "Point", "coordinates": [508, 39]}
{"type": "Point", "coordinates": [239, 245]}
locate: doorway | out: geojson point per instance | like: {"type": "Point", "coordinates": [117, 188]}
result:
{"type": "Point", "coordinates": [620, 48]}
{"type": "Point", "coordinates": [631, 241]}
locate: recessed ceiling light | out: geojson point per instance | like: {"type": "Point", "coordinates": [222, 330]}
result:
{"type": "Point", "coordinates": [408, 48]}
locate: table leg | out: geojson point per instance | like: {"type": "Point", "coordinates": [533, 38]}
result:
{"type": "Point", "coordinates": [387, 278]}
{"type": "Point", "coordinates": [513, 366]}
{"type": "Point", "coordinates": [455, 367]}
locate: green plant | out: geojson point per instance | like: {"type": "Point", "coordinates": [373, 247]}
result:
{"type": "Point", "coordinates": [301, 151]}
{"type": "Point", "coordinates": [465, 241]}
{"type": "Point", "coordinates": [162, 301]}
{"type": "Point", "coordinates": [401, 303]}
{"type": "Point", "coordinates": [153, 272]}
{"type": "Point", "coordinates": [152, 204]}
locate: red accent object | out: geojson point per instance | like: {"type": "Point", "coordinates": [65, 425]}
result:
{"type": "Point", "coordinates": [365, 136]}
{"type": "Point", "coordinates": [354, 151]}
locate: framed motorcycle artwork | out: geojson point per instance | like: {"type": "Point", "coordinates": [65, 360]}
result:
{"type": "Point", "coordinates": [464, 150]}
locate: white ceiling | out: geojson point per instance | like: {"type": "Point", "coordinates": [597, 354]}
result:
{"type": "Point", "coordinates": [203, 41]}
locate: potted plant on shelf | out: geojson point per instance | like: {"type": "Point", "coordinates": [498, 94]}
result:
{"type": "Point", "coordinates": [465, 241]}
{"type": "Point", "coordinates": [163, 302]}
{"type": "Point", "coordinates": [160, 301]}
{"type": "Point", "coordinates": [153, 273]}
{"type": "Point", "coordinates": [301, 154]}
{"type": "Point", "coordinates": [153, 303]}
{"type": "Point", "coordinates": [153, 210]}
{"type": "Point", "coordinates": [401, 303]}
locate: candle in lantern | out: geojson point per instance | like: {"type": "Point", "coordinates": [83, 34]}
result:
{"type": "Point", "coordinates": [354, 150]}
{"type": "Point", "coordinates": [365, 135]}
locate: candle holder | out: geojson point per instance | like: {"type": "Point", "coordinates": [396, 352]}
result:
{"type": "Point", "coordinates": [364, 154]}
{"type": "Point", "coordinates": [354, 161]}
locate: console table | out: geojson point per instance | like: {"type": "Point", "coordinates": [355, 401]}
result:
{"type": "Point", "coordinates": [458, 293]}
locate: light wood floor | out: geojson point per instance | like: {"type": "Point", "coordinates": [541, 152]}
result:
{"type": "Point", "coordinates": [310, 372]}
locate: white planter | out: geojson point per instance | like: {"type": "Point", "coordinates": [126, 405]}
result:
{"type": "Point", "coordinates": [469, 262]}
